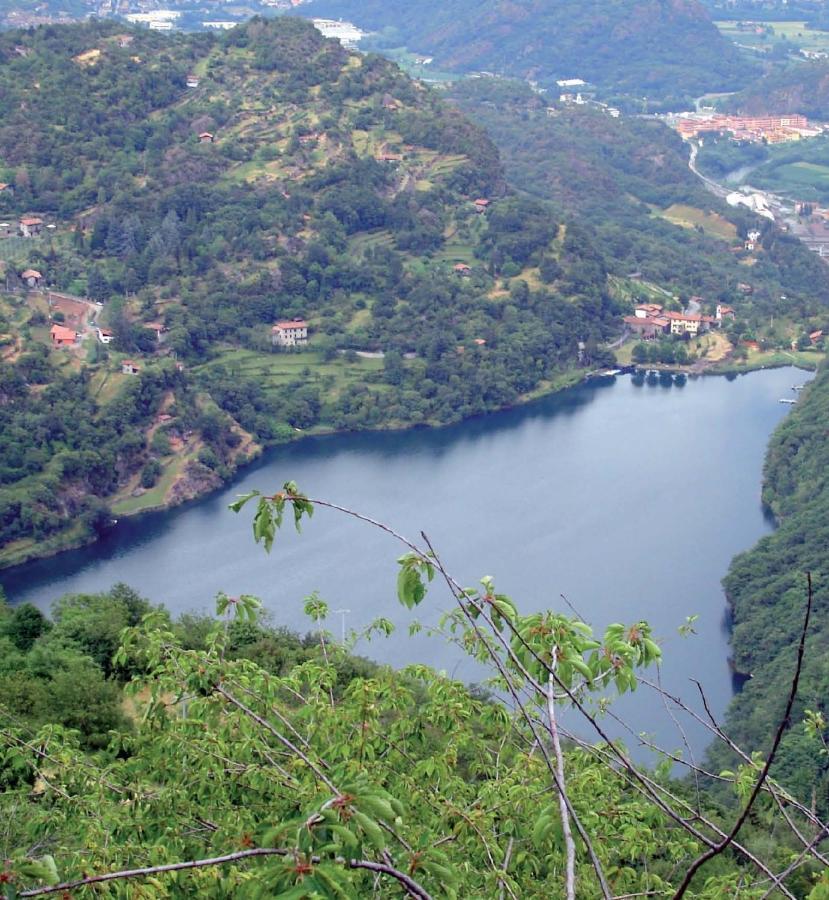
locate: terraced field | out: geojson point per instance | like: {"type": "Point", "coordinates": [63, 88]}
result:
{"type": "Point", "coordinates": [275, 371]}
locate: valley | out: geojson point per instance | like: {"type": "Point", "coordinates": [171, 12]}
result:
{"type": "Point", "coordinates": [461, 271]}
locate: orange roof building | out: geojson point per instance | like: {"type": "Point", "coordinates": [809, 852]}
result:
{"type": "Point", "coordinates": [62, 336]}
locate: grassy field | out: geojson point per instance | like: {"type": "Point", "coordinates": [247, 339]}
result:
{"type": "Point", "coordinates": [770, 359]}
{"type": "Point", "coordinates": [637, 291]}
{"type": "Point", "coordinates": [794, 32]}
{"type": "Point", "coordinates": [803, 180]}
{"type": "Point", "coordinates": [690, 217]}
{"type": "Point", "coordinates": [370, 240]}
{"type": "Point", "coordinates": [274, 371]}
{"type": "Point", "coordinates": [155, 496]}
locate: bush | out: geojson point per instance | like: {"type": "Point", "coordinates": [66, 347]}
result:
{"type": "Point", "coordinates": [150, 473]}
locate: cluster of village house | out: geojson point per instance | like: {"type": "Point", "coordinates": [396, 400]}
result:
{"type": "Point", "coordinates": [770, 129]}
{"type": "Point", "coordinates": [650, 320]}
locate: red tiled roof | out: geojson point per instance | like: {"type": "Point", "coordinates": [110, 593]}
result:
{"type": "Point", "coordinates": [685, 317]}
{"type": "Point", "coordinates": [31, 273]}
{"type": "Point", "coordinates": [60, 333]}
{"type": "Point", "coordinates": [30, 220]}
{"type": "Point", "coordinates": [284, 326]}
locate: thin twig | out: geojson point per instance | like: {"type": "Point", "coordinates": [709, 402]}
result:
{"type": "Point", "coordinates": [413, 888]}
{"type": "Point", "coordinates": [289, 744]}
{"type": "Point", "coordinates": [562, 805]}
{"type": "Point", "coordinates": [784, 721]}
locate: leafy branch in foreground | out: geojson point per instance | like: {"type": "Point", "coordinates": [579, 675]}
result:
{"type": "Point", "coordinates": [298, 782]}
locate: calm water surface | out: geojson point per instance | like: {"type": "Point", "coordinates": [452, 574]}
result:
{"type": "Point", "coordinates": [629, 500]}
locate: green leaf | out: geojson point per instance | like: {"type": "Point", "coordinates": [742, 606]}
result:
{"type": "Point", "coordinates": [242, 499]}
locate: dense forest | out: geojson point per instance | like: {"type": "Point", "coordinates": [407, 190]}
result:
{"type": "Point", "coordinates": [229, 758]}
{"type": "Point", "coordinates": [668, 50]}
{"type": "Point", "coordinates": [766, 588]}
{"type": "Point", "coordinates": [291, 179]}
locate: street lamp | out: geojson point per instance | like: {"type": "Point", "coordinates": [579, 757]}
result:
{"type": "Point", "coordinates": [343, 613]}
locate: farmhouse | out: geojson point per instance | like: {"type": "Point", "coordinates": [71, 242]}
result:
{"type": "Point", "coordinates": [290, 334]}
{"type": "Point", "coordinates": [647, 328]}
{"type": "Point", "coordinates": [462, 269]}
{"type": "Point", "coordinates": [481, 205]}
{"type": "Point", "coordinates": [686, 323]}
{"type": "Point", "coordinates": [192, 81]}
{"type": "Point", "coordinates": [724, 312]}
{"type": "Point", "coordinates": [128, 367]}
{"type": "Point", "coordinates": [31, 278]}
{"type": "Point", "coordinates": [647, 310]}
{"type": "Point", "coordinates": [5, 229]}
{"type": "Point", "coordinates": [62, 337]}
{"type": "Point", "coordinates": [6, 188]}
{"type": "Point", "coordinates": [206, 137]}
{"type": "Point", "coordinates": [105, 336]}
{"type": "Point", "coordinates": [30, 226]}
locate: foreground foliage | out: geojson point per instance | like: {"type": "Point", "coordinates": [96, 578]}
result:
{"type": "Point", "coordinates": [253, 767]}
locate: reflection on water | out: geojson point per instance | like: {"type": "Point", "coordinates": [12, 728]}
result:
{"type": "Point", "coordinates": [628, 499]}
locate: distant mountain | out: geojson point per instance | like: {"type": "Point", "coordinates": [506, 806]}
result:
{"type": "Point", "coordinates": [204, 187]}
{"type": "Point", "coordinates": [626, 180]}
{"type": "Point", "coordinates": [661, 48]}
{"type": "Point", "coordinates": [801, 88]}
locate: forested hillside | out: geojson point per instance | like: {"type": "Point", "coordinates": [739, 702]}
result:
{"type": "Point", "coordinates": [766, 588]}
{"type": "Point", "coordinates": [799, 88]}
{"type": "Point", "coordinates": [289, 179]}
{"type": "Point", "coordinates": [628, 180]}
{"type": "Point", "coordinates": [668, 50]}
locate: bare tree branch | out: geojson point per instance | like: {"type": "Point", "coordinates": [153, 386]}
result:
{"type": "Point", "coordinates": [562, 803]}
{"type": "Point", "coordinates": [412, 887]}
{"type": "Point", "coordinates": [784, 721]}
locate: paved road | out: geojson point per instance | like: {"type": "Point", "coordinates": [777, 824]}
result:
{"type": "Point", "coordinates": [712, 185]}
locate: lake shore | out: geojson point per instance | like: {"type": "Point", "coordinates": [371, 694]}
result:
{"type": "Point", "coordinates": [28, 550]}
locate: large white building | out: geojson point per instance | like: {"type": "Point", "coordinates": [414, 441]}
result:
{"type": "Point", "coordinates": [347, 33]}
{"type": "Point", "coordinates": [290, 334]}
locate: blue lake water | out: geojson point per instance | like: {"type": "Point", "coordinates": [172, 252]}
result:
{"type": "Point", "coordinates": [628, 500]}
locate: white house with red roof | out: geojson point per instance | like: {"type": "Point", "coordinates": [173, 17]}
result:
{"type": "Point", "coordinates": [30, 226]}
{"type": "Point", "coordinates": [290, 334]}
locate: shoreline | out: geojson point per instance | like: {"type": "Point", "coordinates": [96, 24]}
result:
{"type": "Point", "coordinates": [9, 559]}
{"type": "Point", "coordinates": [566, 380]}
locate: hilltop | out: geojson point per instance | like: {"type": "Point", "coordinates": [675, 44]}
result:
{"type": "Point", "coordinates": [799, 88]}
{"type": "Point", "coordinates": [666, 49]}
{"type": "Point", "coordinates": [191, 191]}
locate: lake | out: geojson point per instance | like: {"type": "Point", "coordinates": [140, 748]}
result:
{"type": "Point", "coordinates": [630, 500]}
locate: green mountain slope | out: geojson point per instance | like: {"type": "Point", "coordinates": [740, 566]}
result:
{"type": "Point", "coordinates": [628, 181]}
{"type": "Point", "coordinates": [291, 179]}
{"type": "Point", "coordinates": [799, 88]}
{"type": "Point", "coordinates": [766, 588]}
{"type": "Point", "coordinates": [662, 48]}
